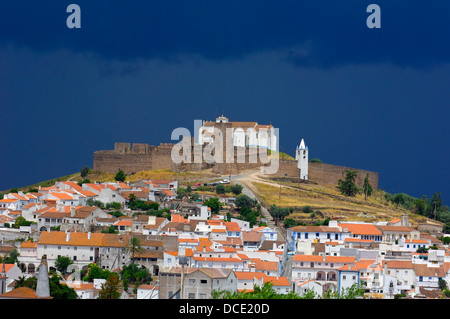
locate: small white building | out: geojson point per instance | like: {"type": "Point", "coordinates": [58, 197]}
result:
{"type": "Point", "coordinates": [107, 195]}
{"type": "Point", "coordinates": [147, 292]}
{"type": "Point", "coordinates": [11, 272]}
{"type": "Point", "coordinates": [348, 276]}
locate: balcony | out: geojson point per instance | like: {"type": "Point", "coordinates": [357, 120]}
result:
{"type": "Point", "coordinates": [330, 276]}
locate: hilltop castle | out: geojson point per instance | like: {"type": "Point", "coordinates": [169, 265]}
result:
{"type": "Point", "coordinates": [230, 147]}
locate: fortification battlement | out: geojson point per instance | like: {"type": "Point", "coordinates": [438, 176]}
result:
{"type": "Point", "coordinates": [137, 157]}
{"type": "Point", "coordinates": [136, 148]}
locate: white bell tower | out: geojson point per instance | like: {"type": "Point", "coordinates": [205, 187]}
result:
{"type": "Point", "coordinates": [301, 155]}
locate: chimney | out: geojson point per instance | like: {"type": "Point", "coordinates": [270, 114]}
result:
{"type": "Point", "coordinates": [89, 235]}
{"type": "Point", "coordinates": [67, 236]}
{"type": "Point", "coordinates": [405, 220]}
{"type": "Point", "coordinates": [43, 285]}
{"type": "Point", "coordinates": [151, 220]}
{"type": "Point", "coordinates": [72, 211]}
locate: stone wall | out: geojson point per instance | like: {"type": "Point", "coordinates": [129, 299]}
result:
{"type": "Point", "coordinates": [138, 157]}
{"type": "Point", "coordinates": [324, 173]}
{"type": "Point", "coordinates": [330, 174]}
{"type": "Point", "coordinates": [133, 158]}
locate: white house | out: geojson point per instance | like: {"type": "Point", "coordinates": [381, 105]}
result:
{"type": "Point", "coordinates": [324, 269]}
{"type": "Point", "coordinates": [107, 195]}
{"type": "Point", "coordinates": [147, 292]}
{"type": "Point", "coordinates": [428, 275]}
{"type": "Point", "coordinates": [10, 203]}
{"type": "Point", "coordinates": [269, 233]}
{"type": "Point", "coordinates": [398, 275]}
{"type": "Point", "coordinates": [28, 257]}
{"type": "Point", "coordinates": [304, 287]}
{"type": "Point", "coordinates": [316, 233]}
{"type": "Point", "coordinates": [11, 272]}
{"type": "Point", "coordinates": [246, 281]}
{"type": "Point", "coordinates": [348, 276]}
{"type": "Point", "coordinates": [107, 250]}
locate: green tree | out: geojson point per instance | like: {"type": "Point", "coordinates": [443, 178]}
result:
{"type": "Point", "coordinates": [436, 204]}
{"type": "Point", "coordinates": [356, 290]}
{"type": "Point", "coordinates": [84, 172]}
{"type": "Point", "coordinates": [21, 221]}
{"type": "Point", "coordinates": [61, 291]}
{"type": "Point", "coordinates": [120, 176]}
{"type": "Point", "coordinates": [30, 282]}
{"type": "Point", "coordinates": [110, 289]}
{"type": "Point", "coordinates": [95, 272]}
{"type": "Point", "coordinates": [236, 189]}
{"type": "Point", "coordinates": [265, 291]}
{"type": "Point", "coordinates": [214, 204]}
{"type": "Point", "coordinates": [245, 201]}
{"type": "Point", "coordinates": [135, 273]}
{"type": "Point", "coordinates": [11, 259]}
{"type": "Point", "coordinates": [279, 213]}
{"type": "Point", "coordinates": [110, 230]}
{"type": "Point", "coordinates": [367, 188]}
{"type": "Point", "coordinates": [249, 215]}
{"type": "Point", "coordinates": [307, 209]}
{"type": "Point", "coordinates": [134, 247]}
{"type": "Point", "coordinates": [220, 189]}
{"type": "Point", "coordinates": [347, 186]}
{"type": "Point", "coordinates": [289, 222]}
{"type": "Point", "coordinates": [62, 263]}
{"type": "Point", "coordinates": [131, 200]}
{"type": "Point", "coordinates": [84, 181]}
{"type": "Point", "coordinates": [113, 205]}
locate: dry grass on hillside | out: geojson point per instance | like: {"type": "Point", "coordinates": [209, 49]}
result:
{"type": "Point", "coordinates": [96, 176]}
{"type": "Point", "coordinates": [327, 200]}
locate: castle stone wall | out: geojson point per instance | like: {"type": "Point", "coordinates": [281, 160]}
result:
{"type": "Point", "coordinates": [330, 174]}
{"type": "Point", "coordinates": [325, 173]}
{"type": "Point", "coordinates": [132, 159]}
{"type": "Point", "coordinates": [139, 157]}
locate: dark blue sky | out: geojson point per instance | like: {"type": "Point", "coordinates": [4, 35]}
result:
{"type": "Point", "coordinates": [375, 99]}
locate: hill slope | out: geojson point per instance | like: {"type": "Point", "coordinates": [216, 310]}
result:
{"type": "Point", "coordinates": [326, 201]}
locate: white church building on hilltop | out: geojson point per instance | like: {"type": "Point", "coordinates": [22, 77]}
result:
{"type": "Point", "coordinates": [245, 134]}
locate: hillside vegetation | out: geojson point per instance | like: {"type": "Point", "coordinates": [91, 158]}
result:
{"type": "Point", "coordinates": [311, 202]}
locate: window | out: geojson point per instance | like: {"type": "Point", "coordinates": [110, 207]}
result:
{"type": "Point", "coordinates": [203, 281]}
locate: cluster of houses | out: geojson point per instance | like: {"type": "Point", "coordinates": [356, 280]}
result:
{"type": "Point", "coordinates": [65, 226]}
{"type": "Point", "coordinates": [194, 252]}
{"type": "Point", "coordinates": [386, 258]}
{"type": "Point", "coordinates": [66, 204]}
